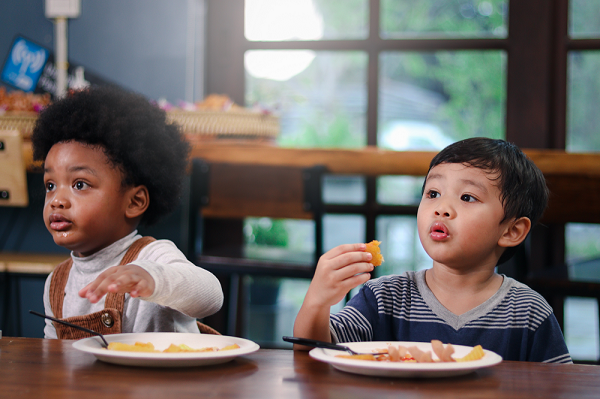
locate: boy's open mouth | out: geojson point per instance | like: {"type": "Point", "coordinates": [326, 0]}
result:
{"type": "Point", "coordinates": [438, 231]}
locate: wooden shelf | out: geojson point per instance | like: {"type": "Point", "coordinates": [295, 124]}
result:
{"type": "Point", "coordinates": [29, 263]}
{"type": "Point", "coordinates": [573, 179]}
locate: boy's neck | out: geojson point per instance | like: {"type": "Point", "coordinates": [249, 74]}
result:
{"type": "Point", "coordinates": [461, 292]}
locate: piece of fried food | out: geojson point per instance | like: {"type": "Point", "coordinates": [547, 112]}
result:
{"type": "Point", "coordinates": [230, 347]}
{"type": "Point", "coordinates": [475, 354]}
{"type": "Point", "coordinates": [137, 347]}
{"type": "Point", "coordinates": [365, 356]}
{"type": "Point", "coordinates": [185, 348]}
{"type": "Point", "coordinates": [373, 249]}
{"type": "Point", "coordinates": [149, 347]}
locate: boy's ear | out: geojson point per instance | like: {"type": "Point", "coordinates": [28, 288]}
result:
{"type": "Point", "coordinates": [139, 199]}
{"type": "Point", "coordinates": [515, 232]}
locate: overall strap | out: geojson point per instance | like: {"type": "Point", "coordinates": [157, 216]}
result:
{"type": "Point", "coordinates": [60, 275]}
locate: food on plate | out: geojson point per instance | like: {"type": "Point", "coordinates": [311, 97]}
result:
{"type": "Point", "coordinates": [138, 347]}
{"type": "Point", "coordinates": [443, 353]}
{"type": "Point", "coordinates": [364, 356]}
{"type": "Point", "coordinates": [415, 355]}
{"type": "Point", "coordinates": [149, 347]}
{"type": "Point", "coordinates": [373, 248]}
{"type": "Point", "coordinates": [475, 354]}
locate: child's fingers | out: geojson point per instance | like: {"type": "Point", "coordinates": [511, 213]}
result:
{"type": "Point", "coordinates": [344, 261]}
{"type": "Point", "coordinates": [352, 270]}
{"type": "Point", "coordinates": [94, 285]}
{"type": "Point", "coordinates": [342, 249]}
{"type": "Point", "coordinates": [135, 284]}
{"type": "Point", "coordinates": [120, 279]}
{"type": "Point", "coordinates": [335, 288]}
{"type": "Point", "coordinates": [357, 280]}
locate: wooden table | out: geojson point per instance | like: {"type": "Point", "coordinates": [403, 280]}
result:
{"type": "Point", "coordinates": [36, 368]}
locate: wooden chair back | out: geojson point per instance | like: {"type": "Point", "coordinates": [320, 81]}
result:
{"type": "Point", "coordinates": [235, 191]}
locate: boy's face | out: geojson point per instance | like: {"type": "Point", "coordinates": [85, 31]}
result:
{"type": "Point", "coordinates": [85, 204]}
{"type": "Point", "coordinates": [459, 217]}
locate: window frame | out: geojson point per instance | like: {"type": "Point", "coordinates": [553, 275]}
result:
{"type": "Point", "coordinates": [537, 46]}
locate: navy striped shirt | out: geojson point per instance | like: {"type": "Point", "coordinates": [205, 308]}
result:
{"type": "Point", "coordinates": [516, 322]}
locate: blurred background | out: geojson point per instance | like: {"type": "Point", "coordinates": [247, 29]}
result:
{"type": "Point", "coordinates": [397, 74]}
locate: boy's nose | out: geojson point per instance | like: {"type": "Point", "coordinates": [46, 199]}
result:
{"type": "Point", "coordinates": [444, 210]}
{"type": "Point", "coordinates": [59, 201]}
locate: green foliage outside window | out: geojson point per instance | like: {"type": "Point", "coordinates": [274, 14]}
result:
{"type": "Point", "coordinates": [448, 17]}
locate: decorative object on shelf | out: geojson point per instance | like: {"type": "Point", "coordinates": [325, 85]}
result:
{"type": "Point", "coordinates": [202, 125]}
{"type": "Point", "coordinates": [218, 117]}
{"type": "Point", "coordinates": [21, 121]}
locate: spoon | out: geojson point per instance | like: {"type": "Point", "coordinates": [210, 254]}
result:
{"type": "Point", "coordinates": [103, 343]}
{"type": "Point", "coordinates": [327, 345]}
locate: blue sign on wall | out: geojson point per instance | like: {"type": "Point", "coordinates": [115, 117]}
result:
{"type": "Point", "coordinates": [24, 64]}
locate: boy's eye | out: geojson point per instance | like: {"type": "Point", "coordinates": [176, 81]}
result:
{"type": "Point", "coordinates": [80, 185]}
{"type": "Point", "coordinates": [49, 187]}
{"type": "Point", "coordinates": [467, 198]}
{"type": "Point", "coordinates": [432, 194]}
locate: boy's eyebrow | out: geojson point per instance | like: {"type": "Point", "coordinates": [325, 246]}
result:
{"type": "Point", "coordinates": [474, 183]}
{"type": "Point", "coordinates": [77, 168]}
{"type": "Point", "coordinates": [464, 181]}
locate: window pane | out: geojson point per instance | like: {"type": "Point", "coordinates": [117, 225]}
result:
{"type": "Point", "coordinates": [320, 96]}
{"type": "Point", "coordinates": [473, 18]}
{"type": "Point", "coordinates": [399, 190]}
{"type": "Point", "coordinates": [342, 229]}
{"type": "Point", "coordinates": [581, 314]}
{"type": "Point", "coordinates": [583, 251]}
{"type": "Point", "coordinates": [581, 327]}
{"type": "Point", "coordinates": [273, 305]}
{"type": "Point", "coordinates": [285, 20]}
{"type": "Point", "coordinates": [285, 240]}
{"type": "Point", "coordinates": [583, 93]}
{"type": "Point", "coordinates": [400, 245]}
{"type": "Point", "coordinates": [584, 21]}
{"type": "Point", "coordinates": [345, 190]}
{"type": "Point", "coordinates": [429, 100]}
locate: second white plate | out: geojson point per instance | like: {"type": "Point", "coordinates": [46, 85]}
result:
{"type": "Point", "coordinates": [162, 341]}
{"type": "Point", "coordinates": [403, 369]}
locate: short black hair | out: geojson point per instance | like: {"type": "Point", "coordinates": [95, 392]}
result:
{"type": "Point", "coordinates": [133, 133]}
{"type": "Point", "coordinates": [522, 184]}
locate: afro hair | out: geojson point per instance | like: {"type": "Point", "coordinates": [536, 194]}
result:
{"type": "Point", "coordinates": [134, 134]}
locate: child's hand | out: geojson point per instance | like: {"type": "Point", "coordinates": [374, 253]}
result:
{"type": "Point", "coordinates": [338, 271]}
{"type": "Point", "coordinates": [128, 278]}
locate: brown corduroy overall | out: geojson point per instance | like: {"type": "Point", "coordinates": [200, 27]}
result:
{"type": "Point", "coordinates": [106, 321]}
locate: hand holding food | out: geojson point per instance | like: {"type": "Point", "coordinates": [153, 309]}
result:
{"type": "Point", "coordinates": [339, 270]}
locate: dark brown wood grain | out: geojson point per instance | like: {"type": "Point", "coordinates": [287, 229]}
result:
{"type": "Point", "coordinates": [36, 368]}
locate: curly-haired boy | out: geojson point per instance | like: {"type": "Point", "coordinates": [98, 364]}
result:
{"type": "Point", "coordinates": [111, 163]}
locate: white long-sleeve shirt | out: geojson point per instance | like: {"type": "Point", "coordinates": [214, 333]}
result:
{"type": "Point", "coordinates": [182, 293]}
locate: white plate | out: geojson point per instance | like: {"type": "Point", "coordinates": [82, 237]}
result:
{"type": "Point", "coordinates": [162, 341]}
{"type": "Point", "coordinates": [404, 369]}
